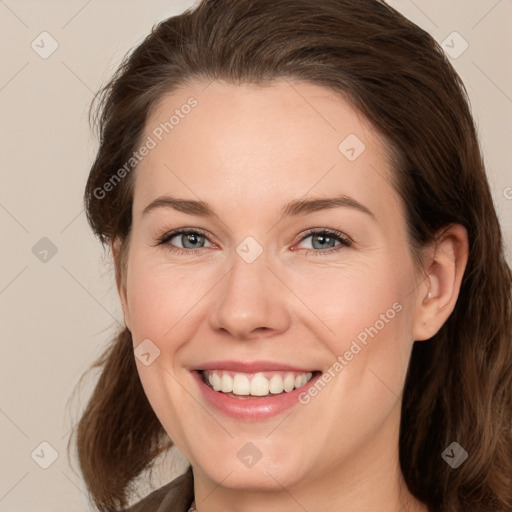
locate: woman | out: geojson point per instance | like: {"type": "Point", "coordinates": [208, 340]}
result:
{"type": "Point", "coordinates": [316, 299]}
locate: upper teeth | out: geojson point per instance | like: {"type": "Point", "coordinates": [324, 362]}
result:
{"type": "Point", "coordinates": [256, 384]}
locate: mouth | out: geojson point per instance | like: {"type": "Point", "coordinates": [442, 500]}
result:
{"type": "Point", "coordinates": [255, 385]}
{"type": "Point", "coordinates": [251, 392]}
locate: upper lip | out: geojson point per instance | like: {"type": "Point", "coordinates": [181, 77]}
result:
{"type": "Point", "coordinates": [248, 366]}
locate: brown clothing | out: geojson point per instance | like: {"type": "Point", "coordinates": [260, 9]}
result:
{"type": "Point", "coordinates": [176, 496]}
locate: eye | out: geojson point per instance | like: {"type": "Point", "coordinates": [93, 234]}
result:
{"type": "Point", "coordinates": [189, 238]}
{"type": "Point", "coordinates": [325, 240]}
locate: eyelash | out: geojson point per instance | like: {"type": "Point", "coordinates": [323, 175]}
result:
{"type": "Point", "coordinates": [345, 242]}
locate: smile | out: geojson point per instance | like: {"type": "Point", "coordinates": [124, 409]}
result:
{"type": "Point", "coordinates": [255, 384]}
{"type": "Point", "coordinates": [252, 391]}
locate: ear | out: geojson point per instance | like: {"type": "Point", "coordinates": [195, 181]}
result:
{"type": "Point", "coordinates": [444, 264]}
{"type": "Point", "coordinates": [119, 252]}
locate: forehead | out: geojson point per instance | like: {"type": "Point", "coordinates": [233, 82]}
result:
{"type": "Point", "coordinates": [240, 144]}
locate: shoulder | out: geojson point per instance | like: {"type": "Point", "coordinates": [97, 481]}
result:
{"type": "Point", "coordinates": [176, 496]}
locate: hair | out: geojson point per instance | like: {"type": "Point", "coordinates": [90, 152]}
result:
{"type": "Point", "coordinates": [459, 382]}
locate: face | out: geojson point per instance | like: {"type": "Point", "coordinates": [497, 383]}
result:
{"type": "Point", "coordinates": [295, 267]}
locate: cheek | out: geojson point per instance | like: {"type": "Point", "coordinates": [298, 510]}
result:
{"type": "Point", "coordinates": [159, 296]}
{"type": "Point", "coordinates": [363, 314]}
{"type": "Point", "coordinates": [347, 299]}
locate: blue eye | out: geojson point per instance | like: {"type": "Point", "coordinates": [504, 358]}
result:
{"type": "Point", "coordinates": [326, 240]}
{"type": "Point", "coordinates": [189, 238]}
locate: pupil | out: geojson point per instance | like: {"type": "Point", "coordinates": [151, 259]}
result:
{"type": "Point", "coordinates": [191, 237]}
{"type": "Point", "coordinates": [323, 240]}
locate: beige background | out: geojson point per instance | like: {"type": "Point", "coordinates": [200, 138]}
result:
{"type": "Point", "coordinates": [56, 316]}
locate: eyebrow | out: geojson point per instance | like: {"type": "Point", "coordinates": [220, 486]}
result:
{"type": "Point", "coordinates": [293, 208]}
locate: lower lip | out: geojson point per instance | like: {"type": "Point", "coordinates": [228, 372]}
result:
{"type": "Point", "coordinates": [251, 408]}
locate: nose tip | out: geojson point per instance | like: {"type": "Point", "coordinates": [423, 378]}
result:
{"type": "Point", "coordinates": [250, 302]}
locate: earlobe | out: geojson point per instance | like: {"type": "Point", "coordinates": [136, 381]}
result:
{"type": "Point", "coordinates": [444, 266]}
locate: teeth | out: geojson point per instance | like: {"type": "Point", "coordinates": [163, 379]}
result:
{"type": "Point", "coordinates": [258, 384]}
{"type": "Point", "coordinates": [226, 384]}
{"type": "Point", "coordinates": [216, 382]}
{"type": "Point", "coordinates": [276, 385]}
{"type": "Point", "coordinates": [241, 385]}
{"type": "Point", "coordinates": [289, 382]}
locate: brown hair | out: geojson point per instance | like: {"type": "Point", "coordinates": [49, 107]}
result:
{"type": "Point", "coordinates": [459, 383]}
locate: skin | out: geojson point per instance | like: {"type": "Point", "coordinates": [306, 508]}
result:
{"type": "Point", "coordinates": [247, 151]}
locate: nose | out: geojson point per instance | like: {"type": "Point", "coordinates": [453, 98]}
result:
{"type": "Point", "coordinates": [251, 301]}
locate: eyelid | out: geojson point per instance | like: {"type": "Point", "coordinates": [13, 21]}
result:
{"type": "Point", "coordinates": [345, 241]}
{"type": "Point", "coordinates": [168, 235]}
{"type": "Point", "coordinates": [328, 231]}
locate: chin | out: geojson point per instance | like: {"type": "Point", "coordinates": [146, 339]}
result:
{"type": "Point", "coordinates": [262, 476]}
